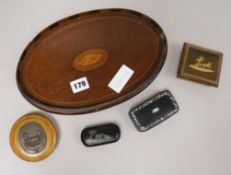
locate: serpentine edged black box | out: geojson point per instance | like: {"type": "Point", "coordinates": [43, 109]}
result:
{"type": "Point", "coordinates": [154, 111]}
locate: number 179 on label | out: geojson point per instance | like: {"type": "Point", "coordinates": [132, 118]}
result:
{"type": "Point", "coordinates": [79, 85]}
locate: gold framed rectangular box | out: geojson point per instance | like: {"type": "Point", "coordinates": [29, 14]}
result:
{"type": "Point", "coordinates": [200, 65]}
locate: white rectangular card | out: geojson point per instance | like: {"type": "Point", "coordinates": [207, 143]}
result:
{"type": "Point", "coordinates": [121, 78]}
{"type": "Point", "coordinates": [79, 85]}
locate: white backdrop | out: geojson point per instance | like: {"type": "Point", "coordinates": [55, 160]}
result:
{"type": "Point", "coordinates": [197, 140]}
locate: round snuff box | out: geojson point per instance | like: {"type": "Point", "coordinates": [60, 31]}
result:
{"type": "Point", "coordinates": [33, 137]}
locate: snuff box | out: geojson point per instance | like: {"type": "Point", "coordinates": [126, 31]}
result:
{"type": "Point", "coordinates": [200, 65]}
{"type": "Point", "coordinates": [33, 137]}
{"type": "Point", "coordinates": [100, 135]}
{"type": "Point", "coordinates": [154, 111]}
{"type": "Point", "coordinates": [91, 61]}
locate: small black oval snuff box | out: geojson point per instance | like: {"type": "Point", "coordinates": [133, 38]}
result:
{"type": "Point", "coordinates": [100, 135]}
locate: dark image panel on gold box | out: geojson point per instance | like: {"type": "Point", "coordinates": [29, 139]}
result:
{"type": "Point", "coordinates": [200, 64]}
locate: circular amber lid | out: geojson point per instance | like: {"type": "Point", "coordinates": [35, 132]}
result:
{"type": "Point", "coordinates": [33, 137]}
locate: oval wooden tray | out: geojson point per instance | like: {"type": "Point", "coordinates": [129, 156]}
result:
{"type": "Point", "coordinates": [94, 45]}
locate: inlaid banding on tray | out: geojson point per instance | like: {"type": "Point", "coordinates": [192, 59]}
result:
{"type": "Point", "coordinates": [94, 45]}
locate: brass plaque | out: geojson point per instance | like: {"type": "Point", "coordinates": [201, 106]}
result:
{"type": "Point", "coordinates": [200, 64]}
{"type": "Point", "coordinates": [33, 137]}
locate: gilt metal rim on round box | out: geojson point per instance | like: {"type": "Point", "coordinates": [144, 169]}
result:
{"type": "Point", "coordinates": [50, 132]}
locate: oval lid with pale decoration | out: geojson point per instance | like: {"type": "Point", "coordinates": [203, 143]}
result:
{"type": "Point", "coordinates": [91, 61]}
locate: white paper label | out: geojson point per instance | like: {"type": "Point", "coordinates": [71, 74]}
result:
{"type": "Point", "coordinates": [121, 78]}
{"type": "Point", "coordinates": [79, 85]}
